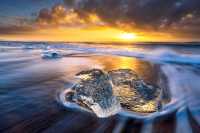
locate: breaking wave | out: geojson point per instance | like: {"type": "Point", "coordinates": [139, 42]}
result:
{"type": "Point", "coordinates": [155, 53]}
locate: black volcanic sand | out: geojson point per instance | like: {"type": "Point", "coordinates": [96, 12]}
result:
{"type": "Point", "coordinates": [28, 94]}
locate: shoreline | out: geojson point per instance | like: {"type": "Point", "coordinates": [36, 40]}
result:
{"type": "Point", "coordinates": [29, 87]}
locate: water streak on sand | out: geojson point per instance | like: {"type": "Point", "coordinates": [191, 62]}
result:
{"type": "Point", "coordinates": [30, 84]}
{"type": "Point", "coordinates": [181, 53]}
{"type": "Point", "coordinates": [184, 98]}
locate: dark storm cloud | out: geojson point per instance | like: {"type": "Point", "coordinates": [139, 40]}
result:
{"type": "Point", "coordinates": [69, 3]}
{"type": "Point", "coordinates": [142, 14]}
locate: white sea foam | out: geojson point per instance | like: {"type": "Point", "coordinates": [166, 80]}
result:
{"type": "Point", "coordinates": [180, 93]}
{"type": "Point", "coordinates": [183, 81]}
{"type": "Point", "coordinates": [162, 53]}
{"type": "Point", "coordinates": [184, 88]}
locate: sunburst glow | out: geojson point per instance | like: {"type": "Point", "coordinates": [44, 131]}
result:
{"type": "Point", "coordinates": [128, 36]}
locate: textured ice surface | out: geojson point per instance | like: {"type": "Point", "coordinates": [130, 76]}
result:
{"type": "Point", "coordinates": [106, 93]}
{"type": "Point", "coordinates": [27, 46]}
{"type": "Point", "coordinates": [46, 46]}
{"type": "Point", "coordinates": [52, 54]}
{"type": "Point", "coordinates": [95, 91]}
{"type": "Point", "coordinates": [133, 93]}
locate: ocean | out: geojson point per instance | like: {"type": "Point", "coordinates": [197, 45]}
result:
{"type": "Point", "coordinates": [33, 89]}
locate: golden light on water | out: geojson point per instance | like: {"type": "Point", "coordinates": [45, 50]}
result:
{"type": "Point", "coordinates": [128, 36]}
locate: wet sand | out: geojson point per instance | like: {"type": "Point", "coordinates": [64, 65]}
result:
{"type": "Point", "coordinates": [29, 85]}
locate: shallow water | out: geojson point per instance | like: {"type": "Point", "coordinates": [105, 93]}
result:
{"type": "Point", "coordinates": [30, 85]}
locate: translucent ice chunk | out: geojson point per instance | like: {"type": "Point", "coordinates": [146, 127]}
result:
{"type": "Point", "coordinates": [133, 93]}
{"type": "Point", "coordinates": [51, 54]}
{"type": "Point", "coordinates": [95, 91]}
{"type": "Point", "coordinates": [27, 46]}
{"type": "Point", "coordinates": [46, 46]}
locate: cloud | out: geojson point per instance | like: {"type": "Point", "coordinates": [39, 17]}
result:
{"type": "Point", "coordinates": [22, 21]}
{"type": "Point", "coordinates": [56, 16]}
{"type": "Point", "coordinates": [140, 14]}
{"type": "Point", "coordinates": [69, 3]}
{"type": "Point", "coordinates": [52, 18]}
{"type": "Point", "coordinates": [171, 17]}
{"type": "Point", "coordinates": [15, 20]}
{"type": "Point", "coordinates": [59, 16]}
{"type": "Point", "coordinates": [7, 30]}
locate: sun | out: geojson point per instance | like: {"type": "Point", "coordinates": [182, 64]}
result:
{"type": "Point", "coordinates": [128, 36]}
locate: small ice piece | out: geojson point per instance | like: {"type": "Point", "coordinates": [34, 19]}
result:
{"type": "Point", "coordinates": [133, 93]}
{"type": "Point", "coordinates": [27, 46]}
{"type": "Point", "coordinates": [52, 54]}
{"type": "Point", "coordinates": [95, 91]}
{"type": "Point", "coordinates": [46, 46]}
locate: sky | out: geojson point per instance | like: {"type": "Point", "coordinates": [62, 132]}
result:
{"type": "Point", "coordinates": [100, 20]}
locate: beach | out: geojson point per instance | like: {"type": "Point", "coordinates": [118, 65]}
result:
{"type": "Point", "coordinates": [30, 85]}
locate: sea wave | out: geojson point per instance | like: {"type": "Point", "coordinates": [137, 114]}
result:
{"type": "Point", "coordinates": [158, 53]}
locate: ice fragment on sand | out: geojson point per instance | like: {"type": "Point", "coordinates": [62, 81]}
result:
{"type": "Point", "coordinates": [27, 46]}
{"type": "Point", "coordinates": [46, 46]}
{"type": "Point", "coordinates": [133, 93]}
{"type": "Point", "coordinates": [50, 54]}
{"type": "Point", "coordinates": [95, 91]}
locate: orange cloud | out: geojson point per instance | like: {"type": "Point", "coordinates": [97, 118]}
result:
{"type": "Point", "coordinates": [59, 16]}
{"type": "Point", "coordinates": [55, 17]}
